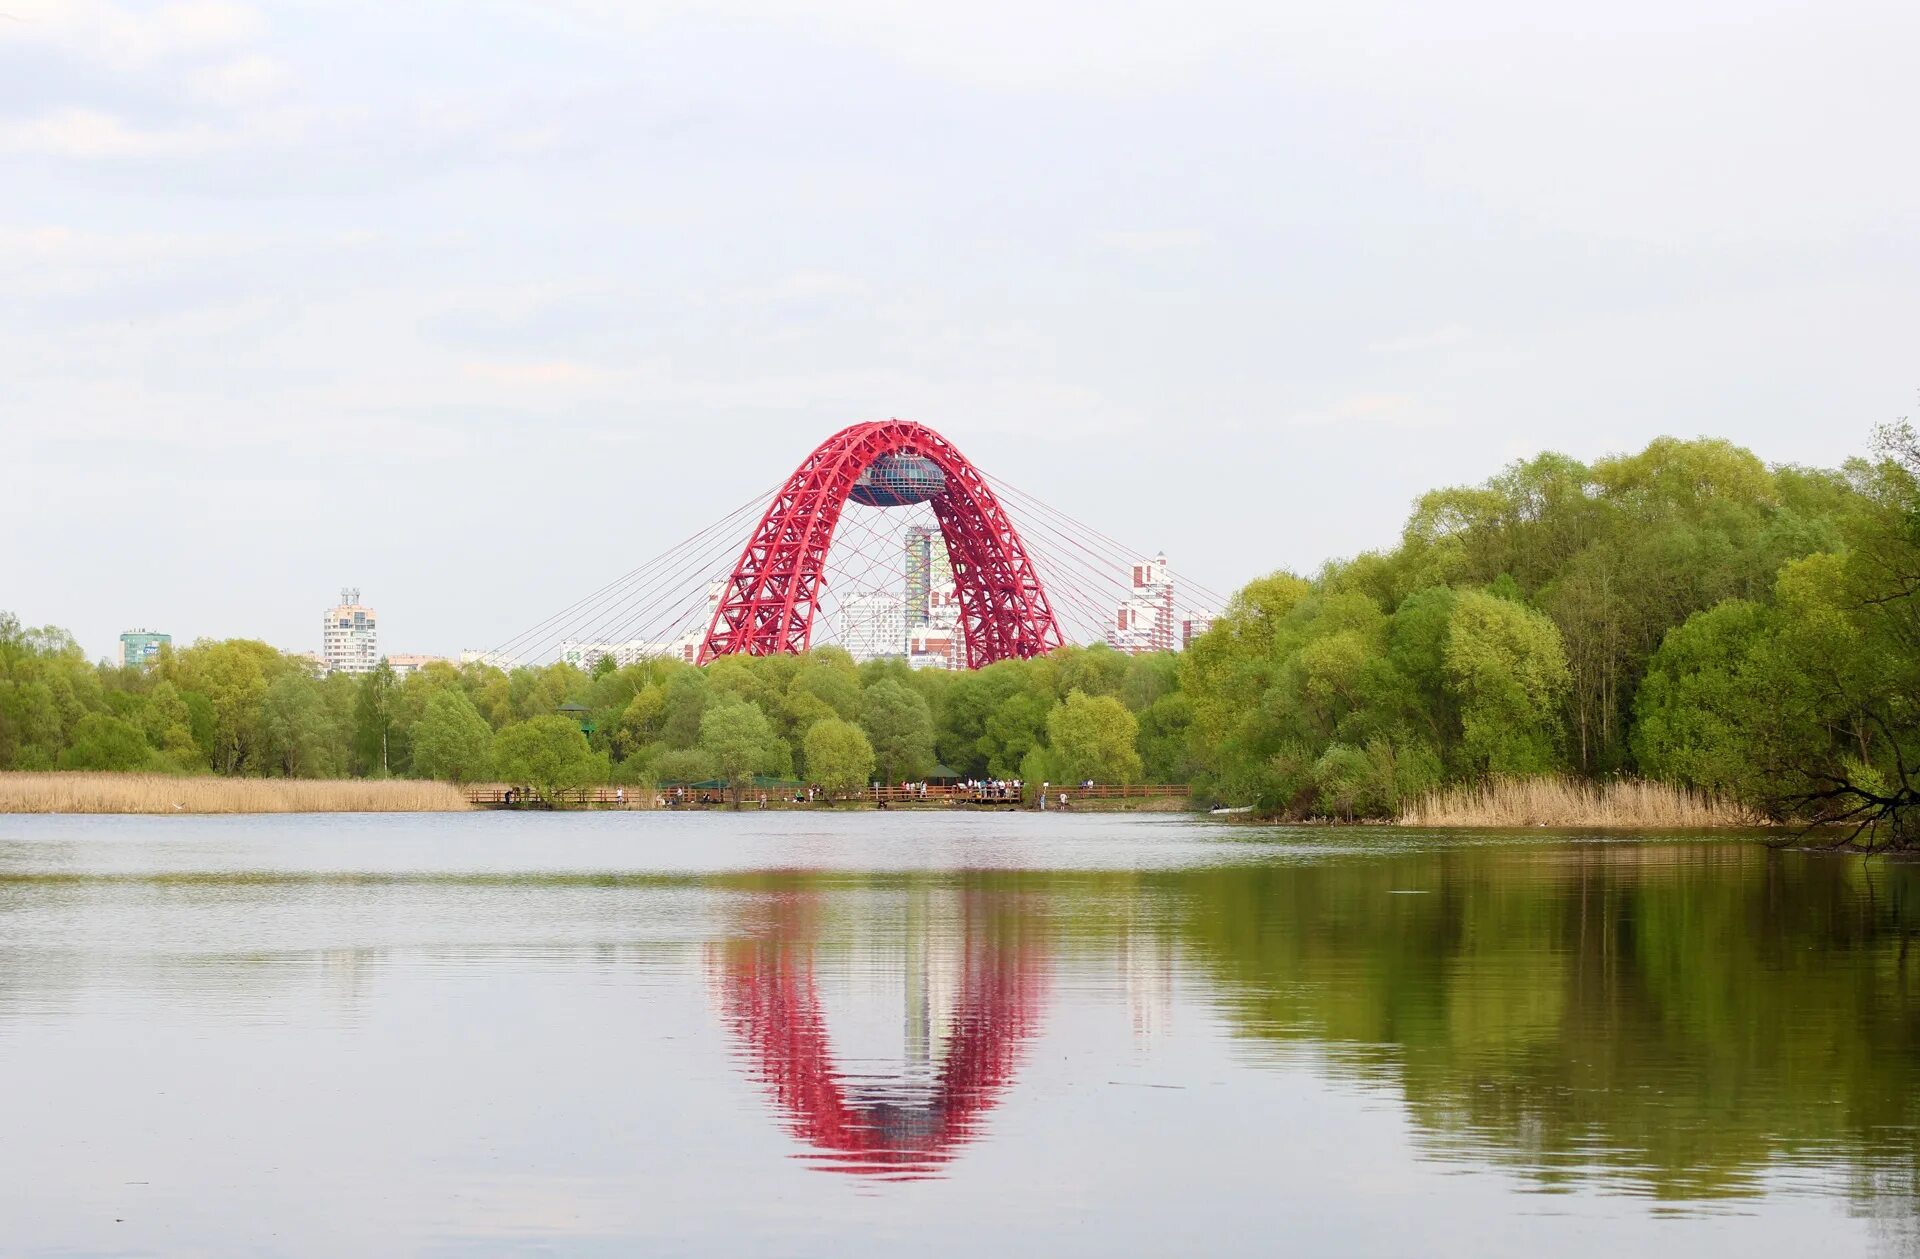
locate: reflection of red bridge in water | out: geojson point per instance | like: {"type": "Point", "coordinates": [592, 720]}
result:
{"type": "Point", "coordinates": [899, 1129]}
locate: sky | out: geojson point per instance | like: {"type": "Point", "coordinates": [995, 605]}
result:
{"type": "Point", "coordinates": [476, 305]}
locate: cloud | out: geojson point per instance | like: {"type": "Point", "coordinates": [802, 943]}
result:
{"type": "Point", "coordinates": [534, 373]}
{"type": "Point", "coordinates": [1439, 338]}
{"type": "Point", "coordinates": [121, 37]}
{"type": "Point", "coordinates": [1160, 240]}
{"type": "Point", "coordinates": [1065, 46]}
{"type": "Point", "coordinates": [240, 80]}
{"type": "Point", "coordinates": [1395, 411]}
{"type": "Point", "coordinates": [89, 134]}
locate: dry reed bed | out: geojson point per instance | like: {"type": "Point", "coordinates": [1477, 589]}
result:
{"type": "Point", "coordinates": [1572, 802]}
{"type": "Point", "coordinates": [162, 793]}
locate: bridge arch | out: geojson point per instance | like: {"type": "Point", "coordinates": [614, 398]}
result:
{"type": "Point", "coordinates": [770, 600]}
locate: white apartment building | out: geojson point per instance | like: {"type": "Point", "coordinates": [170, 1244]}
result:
{"type": "Point", "coordinates": [936, 647]}
{"type": "Point", "coordinates": [407, 663]}
{"type": "Point", "coordinates": [1145, 622]}
{"type": "Point", "coordinates": [349, 641]}
{"type": "Point", "coordinates": [583, 654]}
{"type": "Point", "coordinates": [873, 625]}
{"type": "Point", "coordinates": [497, 659]}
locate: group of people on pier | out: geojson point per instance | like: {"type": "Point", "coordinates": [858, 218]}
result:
{"type": "Point", "coordinates": [993, 790]}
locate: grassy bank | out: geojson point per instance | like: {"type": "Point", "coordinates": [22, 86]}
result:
{"type": "Point", "coordinates": [162, 793]}
{"type": "Point", "coordinates": [1572, 802]}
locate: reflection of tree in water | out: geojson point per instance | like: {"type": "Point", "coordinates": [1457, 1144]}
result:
{"type": "Point", "coordinates": [901, 1127]}
{"type": "Point", "coordinates": [1683, 1022]}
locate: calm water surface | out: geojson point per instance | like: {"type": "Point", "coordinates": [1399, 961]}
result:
{"type": "Point", "coordinates": [950, 1035]}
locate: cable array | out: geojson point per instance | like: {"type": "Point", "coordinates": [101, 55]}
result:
{"type": "Point", "coordinates": [663, 606]}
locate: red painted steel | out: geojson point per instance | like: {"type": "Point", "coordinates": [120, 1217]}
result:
{"type": "Point", "coordinates": [772, 596]}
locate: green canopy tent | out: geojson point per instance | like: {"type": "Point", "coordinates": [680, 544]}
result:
{"type": "Point", "coordinates": [942, 774]}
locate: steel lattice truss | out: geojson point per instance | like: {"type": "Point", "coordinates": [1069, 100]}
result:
{"type": "Point", "coordinates": [823, 558]}
{"type": "Point", "coordinates": [773, 595]}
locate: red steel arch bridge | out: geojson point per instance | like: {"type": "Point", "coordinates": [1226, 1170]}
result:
{"type": "Point", "coordinates": [884, 533]}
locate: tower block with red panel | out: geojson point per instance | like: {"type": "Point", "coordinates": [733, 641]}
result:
{"type": "Point", "coordinates": [768, 605]}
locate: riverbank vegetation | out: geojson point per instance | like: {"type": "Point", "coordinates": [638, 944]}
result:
{"type": "Point", "coordinates": [174, 793]}
{"type": "Point", "coordinates": [1685, 614]}
{"type": "Point", "coordinates": [1747, 636]}
{"type": "Point", "coordinates": [1558, 800]}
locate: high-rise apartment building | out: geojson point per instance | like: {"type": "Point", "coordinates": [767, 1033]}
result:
{"type": "Point", "coordinates": [873, 625]}
{"type": "Point", "coordinates": [932, 607]}
{"type": "Point", "coordinates": [348, 639]}
{"type": "Point", "coordinates": [140, 648]}
{"type": "Point", "coordinates": [919, 547]}
{"type": "Point", "coordinates": [1145, 622]}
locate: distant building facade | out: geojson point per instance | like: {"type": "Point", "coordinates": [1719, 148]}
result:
{"type": "Point", "coordinates": [315, 663]}
{"type": "Point", "coordinates": [1144, 622]}
{"type": "Point", "coordinates": [586, 655]}
{"type": "Point", "coordinates": [405, 663]}
{"type": "Point", "coordinates": [934, 636]}
{"type": "Point", "coordinates": [349, 640]}
{"type": "Point", "coordinates": [493, 659]}
{"type": "Point", "coordinates": [873, 625]}
{"type": "Point", "coordinates": [139, 648]}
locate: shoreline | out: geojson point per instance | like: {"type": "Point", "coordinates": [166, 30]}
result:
{"type": "Point", "coordinates": [1521, 804]}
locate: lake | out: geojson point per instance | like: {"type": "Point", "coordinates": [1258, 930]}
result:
{"type": "Point", "coordinates": [830, 1034]}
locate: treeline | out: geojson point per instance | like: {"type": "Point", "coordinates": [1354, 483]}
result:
{"type": "Point", "coordinates": [242, 708]}
{"type": "Point", "coordinates": [1686, 614]}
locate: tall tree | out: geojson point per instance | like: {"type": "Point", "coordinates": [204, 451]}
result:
{"type": "Point", "coordinates": [739, 742]}
{"type": "Point", "coordinates": [1092, 737]}
{"type": "Point", "coordinates": [839, 758]}
{"type": "Point", "coordinates": [548, 754]}
{"type": "Point", "coordinates": [1506, 665]}
{"type": "Point", "coordinates": [452, 740]}
{"type": "Point", "coordinates": [899, 725]}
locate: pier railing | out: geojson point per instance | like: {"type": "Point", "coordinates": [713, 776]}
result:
{"type": "Point", "coordinates": [504, 795]}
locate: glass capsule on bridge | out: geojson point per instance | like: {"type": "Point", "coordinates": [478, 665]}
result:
{"type": "Point", "coordinates": [898, 481]}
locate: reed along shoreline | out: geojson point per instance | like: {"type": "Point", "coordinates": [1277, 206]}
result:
{"type": "Point", "coordinates": [79, 792]}
{"type": "Point", "coordinates": [1624, 804]}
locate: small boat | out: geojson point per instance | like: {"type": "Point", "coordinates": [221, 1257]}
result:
{"type": "Point", "coordinates": [1238, 808]}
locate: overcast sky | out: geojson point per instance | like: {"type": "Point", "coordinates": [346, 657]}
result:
{"type": "Point", "coordinates": [473, 305]}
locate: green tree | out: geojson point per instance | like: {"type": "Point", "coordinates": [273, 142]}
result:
{"type": "Point", "coordinates": [899, 725]}
{"type": "Point", "coordinates": [452, 740]}
{"type": "Point", "coordinates": [1506, 665]}
{"type": "Point", "coordinates": [1092, 737]}
{"type": "Point", "coordinates": [102, 742]}
{"type": "Point", "coordinates": [373, 719]}
{"type": "Point", "coordinates": [168, 724]}
{"type": "Point", "coordinates": [1016, 727]}
{"type": "Point", "coordinates": [548, 754]}
{"type": "Point", "coordinates": [297, 735]}
{"type": "Point", "coordinates": [233, 675]}
{"type": "Point", "coordinates": [738, 742]}
{"type": "Point", "coordinates": [1703, 699]}
{"type": "Point", "coordinates": [839, 758]}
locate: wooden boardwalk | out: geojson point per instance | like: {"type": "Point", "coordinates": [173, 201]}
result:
{"type": "Point", "coordinates": [932, 795]}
